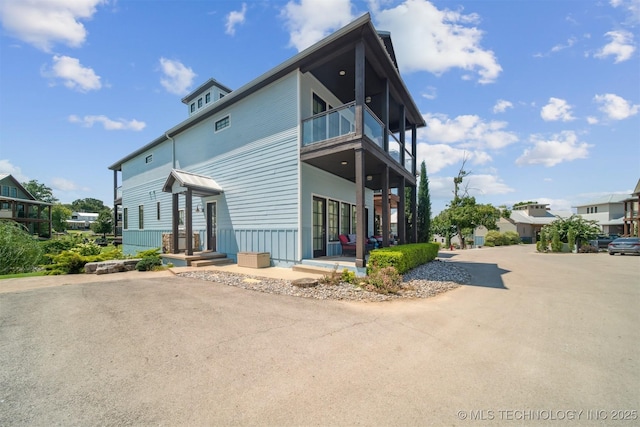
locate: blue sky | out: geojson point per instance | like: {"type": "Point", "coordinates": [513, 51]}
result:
{"type": "Point", "coordinates": [542, 98]}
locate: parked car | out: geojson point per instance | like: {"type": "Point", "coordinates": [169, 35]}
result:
{"type": "Point", "coordinates": [625, 245]}
{"type": "Point", "coordinates": [602, 242]}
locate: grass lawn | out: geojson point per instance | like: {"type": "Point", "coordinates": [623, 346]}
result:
{"type": "Point", "coordinates": [18, 275]}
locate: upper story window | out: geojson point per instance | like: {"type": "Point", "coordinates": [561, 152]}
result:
{"type": "Point", "coordinates": [207, 98]}
{"type": "Point", "coordinates": [5, 190]}
{"type": "Point", "coordinates": [149, 158]}
{"type": "Point", "coordinates": [199, 102]}
{"type": "Point", "coordinates": [222, 123]}
{"type": "Point", "coordinates": [193, 107]}
{"type": "Point", "coordinates": [221, 95]}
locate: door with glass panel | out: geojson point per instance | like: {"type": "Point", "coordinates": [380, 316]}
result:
{"type": "Point", "coordinates": [319, 227]}
{"type": "Point", "coordinates": [212, 226]}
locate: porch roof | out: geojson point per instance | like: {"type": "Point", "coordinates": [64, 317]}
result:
{"type": "Point", "coordinates": [200, 185]}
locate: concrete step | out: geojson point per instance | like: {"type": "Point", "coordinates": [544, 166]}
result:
{"type": "Point", "coordinates": [211, 261]}
{"type": "Point", "coordinates": [313, 269]}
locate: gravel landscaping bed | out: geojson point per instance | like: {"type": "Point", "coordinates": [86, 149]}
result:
{"type": "Point", "coordinates": [425, 281]}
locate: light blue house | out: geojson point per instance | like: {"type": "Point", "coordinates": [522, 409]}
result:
{"type": "Point", "coordinates": [284, 164]}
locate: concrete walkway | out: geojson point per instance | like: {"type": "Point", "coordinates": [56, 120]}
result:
{"type": "Point", "coordinates": [533, 340]}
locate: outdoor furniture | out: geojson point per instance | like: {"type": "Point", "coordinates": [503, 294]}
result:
{"type": "Point", "coordinates": [348, 244]}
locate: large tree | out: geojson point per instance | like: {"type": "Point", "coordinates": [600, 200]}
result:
{"type": "Point", "coordinates": [424, 207]}
{"type": "Point", "coordinates": [88, 205]}
{"type": "Point", "coordinates": [40, 191]}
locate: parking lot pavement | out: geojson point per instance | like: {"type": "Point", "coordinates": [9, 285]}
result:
{"type": "Point", "coordinates": [534, 335]}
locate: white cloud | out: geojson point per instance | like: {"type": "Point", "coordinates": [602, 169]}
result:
{"type": "Point", "coordinates": [43, 23]}
{"type": "Point", "coordinates": [501, 106]}
{"type": "Point", "coordinates": [234, 18]}
{"type": "Point", "coordinates": [621, 46]}
{"type": "Point", "coordinates": [561, 147]}
{"type": "Point", "coordinates": [632, 6]}
{"type": "Point", "coordinates": [616, 107]}
{"type": "Point", "coordinates": [592, 120]}
{"type": "Point", "coordinates": [177, 77]}
{"type": "Point", "coordinates": [73, 74]}
{"type": "Point", "coordinates": [308, 21]}
{"type": "Point", "coordinates": [556, 109]}
{"type": "Point", "coordinates": [447, 39]}
{"type": "Point", "coordinates": [470, 131]}
{"type": "Point", "coordinates": [486, 185]}
{"type": "Point", "coordinates": [63, 184]}
{"type": "Point", "coordinates": [430, 93]}
{"type": "Point", "coordinates": [15, 171]}
{"type": "Point", "coordinates": [107, 123]}
{"type": "Point", "coordinates": [440, 156]}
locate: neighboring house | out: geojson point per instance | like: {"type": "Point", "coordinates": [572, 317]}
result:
{"type": "Point", "coordinates": [526, 220]}
{"type": "Point", "coordinates": [17, 204]}
{"type": "Point", "coordinates": [283, 164]}
{"type": "Point", "coordinates": [607, 211]}
{"type": "Point", "coordinates": [631, 222]}
{"type": "Point", "coordinates": [81, 220]}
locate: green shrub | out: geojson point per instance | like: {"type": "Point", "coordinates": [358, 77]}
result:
{"type": "Point", "coordinates": [348, 276]}
{"type": "Point", "coordinates": [58, 244]}
{"type": "Point", "coordinates": [19, 251]}
{"type": "Point", "coordinates": [494, 238]}
{"type": "Point", "coordinates": [403, 257]}
{"type": "Point", "coordinates": [87, 249]}
{"type": "Point", "coordinates": [385, 280]}
{"type": "Point", "coordinates": [512, 238]}
{"type": "Point", "coordinates": [69, 262]}
{"type": "Point", "coordinates": [571, 238]}
{"type": "Point", "coordinates": [148, 263]}
{"type": "Point", "coordinates": [148, 253]}
{"type": "Point", "coordinates": [556, 243]}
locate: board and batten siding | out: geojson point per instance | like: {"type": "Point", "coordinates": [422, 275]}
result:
{"type": "Point", "coordinates": [255, 161]}
{"type": "Point", "coordinates": [316, 182]}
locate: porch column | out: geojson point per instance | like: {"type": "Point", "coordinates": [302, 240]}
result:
{"type": "Point", "coordinates": [359, 89]}
{"type": "Point", "coordinates": [175, 217]}
{"type": "Point", "coordinates": [414, 215]}
{"type": "Point", "coordinates": [115, 207]}
{"type": "Point", "coordinates": [402, 221]}
{"type": "Point", "coordinates": [385, 115]}
{"type": "Point", "coordinates": [414, 148]}
{"type": "Point", "coordinates": [403, 129]}
{"type": "Point", "coordinates": [188, 223]}
{"type": "Point", "coordinates": [386, 212]}
{"type": "Point", "coordinates": [361, 220]}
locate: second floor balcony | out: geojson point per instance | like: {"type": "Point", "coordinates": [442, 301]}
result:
{"type": "Point", "coordinates": [340, 122]}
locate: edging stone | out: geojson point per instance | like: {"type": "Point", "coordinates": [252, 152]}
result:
{"type": "Point", "coordinates": [111, 266]}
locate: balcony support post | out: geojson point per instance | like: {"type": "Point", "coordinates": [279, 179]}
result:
{"type": "Point", "coordinates": [402, 127]}
{"type": "Point", "coordinates": [385, 115]}
{"type": "Point", "coordinates": [386, 212]}
{"type": "Point", "coordinates": [175, 218]}
{"type": "Point", "coordinates": [188, 222]}
{"type": "Point", "coordinates": [414, 147]}
{"type": "Point", "coordinates": [402, 221]}
{"type": "Point", "coordinates": [360, 88]}
{"type": "Point", "coordinates": [361, 220]}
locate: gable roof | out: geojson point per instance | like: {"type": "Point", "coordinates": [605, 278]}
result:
{"type": "Point", "coordinates": [359, 28]}
{"type": "Point", "coordinates": [200, 185]}
{"type": "Point", "coordinates": [605, 200]}
{"type": "Point", "coordinates": [18, 185]}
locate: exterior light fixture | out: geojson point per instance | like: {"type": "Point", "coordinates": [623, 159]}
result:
{"type": "Point", "coordinates": [342, 72]}
{"type": "Point", "coordinates": [369, 178]}
{"type": "Point", "coordinates": [343, 163]}
{"type": "Point", "coordinates": [367, 100]}
{"type": "Point", "coordinates": [198, 208]}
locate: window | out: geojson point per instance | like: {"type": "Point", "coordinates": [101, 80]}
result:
{"type": "Point", "coordinates": [141, 217]}
{"type": "Point", "coordinates": [181, 217]}
{"type": "Point", "coordinates": [125, 218]}
{"type": "Point", "coordinates": [5, 191]}
{"type": "Point", "coordinates": [222, 123]}
{"type": "Point", "coordinates": [193, 107]}
{"type": "Point", "coordinates": [207, 98]}
{"type": "Point", "coordinates": [596, 208]}
{"type": "Point", "coordinates": [221, 96]}
{"type": "Point", "coordinates": [14, 191]}
{"type": "Point", "coordinates": [149, 158]}
{"type": "Point", "coordinates": [354, 218]}
{"type": "Point", "coordinates": [158, 211]}
{"type": "Point", "coordinates": [345, 215]}
{"type": "Point", "coordinates": [200, 103]}
{"type": "Point", "coordinates": [334, 217]}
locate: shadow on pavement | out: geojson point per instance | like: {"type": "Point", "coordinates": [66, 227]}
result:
{"type": "Point", "coordinates": [482, 274]}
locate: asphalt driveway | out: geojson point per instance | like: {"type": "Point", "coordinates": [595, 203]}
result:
{"type": "Point", "coordinates": [535, 339]}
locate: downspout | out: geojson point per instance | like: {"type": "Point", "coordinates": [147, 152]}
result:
{"type": "Point", "coordinates": [173, 150]}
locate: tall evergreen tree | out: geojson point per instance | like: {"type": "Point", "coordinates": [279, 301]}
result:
{"type": "Point", "coordinates": [424, 206]}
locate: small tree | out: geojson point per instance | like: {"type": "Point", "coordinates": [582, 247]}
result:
{"type": "Point", "coordinates": [40, 191]}
{"type": "Point", "coordinates": [19, 251]}
{"type": "Point", "coordinates": [103, 224]}
{"type": "Point", "coordinates": [59, 216]}
{"type": "Point", "coordinates": [571, 238]}
{"type": "Point", "coordinates": [424, 207]}
{"type": "Point", "coordinates": [556, 243]}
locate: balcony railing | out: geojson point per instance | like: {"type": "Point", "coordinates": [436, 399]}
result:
{"type": "Point", "coordinates": [342, 121]}
{"type": "Point", "coordinates": [329, 124]}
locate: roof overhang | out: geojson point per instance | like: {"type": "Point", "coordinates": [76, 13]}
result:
{"type": "Point", "coordinates": [200, 185]}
